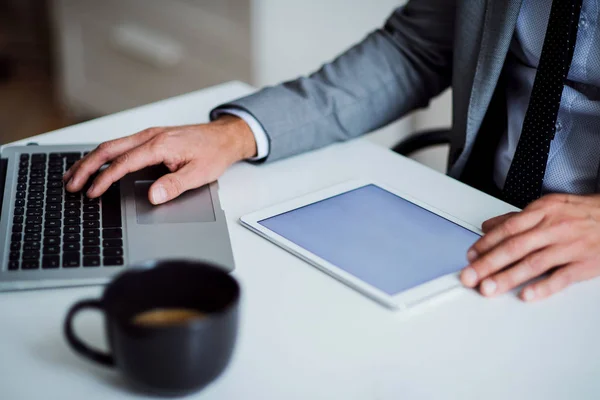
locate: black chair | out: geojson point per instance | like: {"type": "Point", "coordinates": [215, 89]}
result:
{"type": "Point", "coordinates": [420, 140]}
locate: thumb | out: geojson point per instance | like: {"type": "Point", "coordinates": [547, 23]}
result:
{"type": "Point", "coordinates": [172, 185]}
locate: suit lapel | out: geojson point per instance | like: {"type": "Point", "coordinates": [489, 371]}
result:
{"type": "Point", "coordinates": [499, 25]}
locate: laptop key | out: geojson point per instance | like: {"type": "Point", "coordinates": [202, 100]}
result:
{"type": "Point", "coordinates": [31, 255]}
{"type": "Point", "coordinates": [15, 246]}
{"type": "Point", "coordinates": [72, 221]}
{"type": "Point", "coordinates": [112, 233]}
{"type": "Point", "coordinates": [18, 219]}
{"type": "Point", "coordinates": [20, 195]}
{"type": "Point", "coordinates": [54, 184]}
{"type": "Point", "coordinates": [71, 246]}
{"type": "Point", "coordinates": [112, 252]}
{"type": "Point", "coordinates": [112, 243]}
{"type": "Point", "coordinates": [91, 241]}
{"type": "Point", "coordinates": [52, 223]}
{"type": "Point", "coordinates": [91, 216]}
{"type": "Point", "coordinates": [17, 228]}
{"type": "Point", "coordinates": [33, 228]}
{"type": "Point", "coordinates": [22, 179]}
{"type": "Point", "coordinates": [54, 198]}
{"type": "Point", "coordinates": [19, 211]}
{"type": "Point", "coordinates": [54, 207]}
{"type": "Point", "coordinates": [50, 262]}
{"type": "Point", "coordinates": [91, 208]}
{"type": "Point", "coordinates": [72, 229]}
{"type": "Point", "coordinates": [91, 233]}
{"type": "Point", "coordinates": [91, 224]}
{"type": "Point", "coordinates": [72, 204]}
{"type": "Point", "coordinates": [24, 157]}
{"type": "Point", "coordinates": [52, 232]}
{"type": "Point", "coordinates": [91, 251]}
{"type": "Point", "coordinates": [91, 261]}
{"type": "Point", "coordinates": [112, 261]}
{"type": "Point", "coordinates": [52, 249]}
{"type": "Point", "coordinates": [34, 220]}
{"type": "Point", "coordinates": [51, 241]}
{"type": "Point", "coordinates": [15, 237]}
{"type": "Point", "coordinates": [20, 203]}
{"type": "Point", "coordinates": [31, 246]}
{"type": "Point", "coordinates": [53, 215]}
{"type": "Point", "coordinates": [14, 256]}
{"type": "Point", "coordinates": [33, 237]}
{"type": "Point", "coordinates": [71, 260]}
{"type": "Point", "coordinates": [72, 213]}
{"type": "Point", "coordinates": [13, 265]}
{"type": "Point", "coordinates": [54, 191]}
{"type": "Point", "coordinates": [31, 264]}
{"type": "Point", "coordinates": [72, 237]}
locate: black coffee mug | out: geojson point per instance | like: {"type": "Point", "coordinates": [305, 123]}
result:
{"type": "Point", "coordinates": [171, 360]}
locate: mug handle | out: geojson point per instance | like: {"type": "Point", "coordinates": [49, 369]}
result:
{"type": "Point", "coordinates": [83, 349]}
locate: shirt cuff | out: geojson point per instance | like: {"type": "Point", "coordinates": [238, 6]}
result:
{"type": "Point", "coordinates": [260, 136]}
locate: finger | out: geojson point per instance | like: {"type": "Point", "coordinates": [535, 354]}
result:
{"type": "Point", "coordinates": [512, 226]}
{"type": "Point", "coordinates": [131, 161]}
{"type": "Point", "coordinates": [510, 251]}
{"type": "Point", "coordinates": [172, 185]}
{"type": "Point", "coordinates": [559, 280]}
{"type": "Point", "coordinates": [529, 268]}
{"type": "Point", "coordinates": [493, 222]}
{"type": "Point", "coordinates": [69, 172]}
{"type": "Point", "coordinates": [107, 151]}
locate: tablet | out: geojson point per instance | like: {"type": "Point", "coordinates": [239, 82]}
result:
{"type": "Point", "coordinates": [389, 246]}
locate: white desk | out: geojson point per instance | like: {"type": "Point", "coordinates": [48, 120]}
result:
{"type": "Point", "coordinates": [304, 335]}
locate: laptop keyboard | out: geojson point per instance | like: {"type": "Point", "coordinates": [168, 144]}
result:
{"type": "Point", "coordinates": [53, 228]}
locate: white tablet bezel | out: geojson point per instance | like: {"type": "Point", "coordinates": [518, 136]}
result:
{"type": "Point", "coordinates": [402, 300]}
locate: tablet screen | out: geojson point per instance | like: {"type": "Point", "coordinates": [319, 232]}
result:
{"type": "Point", "coordinates": [379, 237]}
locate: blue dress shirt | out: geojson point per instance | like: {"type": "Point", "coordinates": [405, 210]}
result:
{"type": "Point", "coordinates": [575, 151]}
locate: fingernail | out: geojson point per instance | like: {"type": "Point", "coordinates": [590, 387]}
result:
{"type": "Point", "coordinates": [159, 195]}
{"type": "Point", "coordinates": [71, 181]}
{"type": "Point", "coordinates": [471, 255]}
{"type": "Point", "coordinates": [90, 190]}
{"type": "Point", "coordinates": [528, 294]}
{"type": "Point", "coordinates": [488, 287]}
{"type": "Point", "coordinates": [469, 276]}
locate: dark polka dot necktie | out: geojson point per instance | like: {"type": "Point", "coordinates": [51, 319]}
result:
{"type": "Point", "coordinates": [526, 173]}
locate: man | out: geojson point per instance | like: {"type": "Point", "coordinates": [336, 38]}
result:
{"type": "Point", "coordinates": [522, 128]}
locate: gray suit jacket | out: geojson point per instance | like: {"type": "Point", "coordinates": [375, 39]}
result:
{"type": "Point", "coordinates": [423, 48]}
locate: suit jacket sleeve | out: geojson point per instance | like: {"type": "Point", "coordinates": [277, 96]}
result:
{"type": "Point", "coordinates": [392, 71]}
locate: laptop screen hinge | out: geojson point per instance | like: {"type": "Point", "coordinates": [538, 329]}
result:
{"type": "Point", "coordinates": [3, 169]}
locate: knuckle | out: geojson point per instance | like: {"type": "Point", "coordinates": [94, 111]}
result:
{"type": "Point", "coordinates": [122, 160]}
{"type": "Point", "coordinates": [535, 264]}
{"type": "Point", "coordinates": [514, 246]}
{"type": "Point", "coordinates": [105, 148]}
{"type": "Point", "coordinates": [174, 185]}
{"type": "Point", "coordinates": [563, 278]}
{"type": "Point", "coordinates": [511, 226]}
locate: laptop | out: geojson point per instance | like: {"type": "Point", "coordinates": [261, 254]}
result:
{"type": "Point", "coordinates": [53, 238]}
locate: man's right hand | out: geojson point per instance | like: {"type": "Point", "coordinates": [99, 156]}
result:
{"type": "Point", "coordinates": [195, 155]}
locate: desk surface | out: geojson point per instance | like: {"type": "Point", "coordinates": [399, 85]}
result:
{"type": "Point", "coordinates": [304, 335]}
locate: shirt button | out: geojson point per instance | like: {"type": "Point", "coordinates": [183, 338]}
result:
{"type": "Point", "coordinates": [583, 23]}
{"type": "Point", "coordinates": [558, 126]}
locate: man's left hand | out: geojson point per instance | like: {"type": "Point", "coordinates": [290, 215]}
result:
{"type": "Point", "coordinates": [558, 234]}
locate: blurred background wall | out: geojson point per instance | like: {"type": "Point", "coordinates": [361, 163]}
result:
{"type": "Point", "coordinates": [64, 61]}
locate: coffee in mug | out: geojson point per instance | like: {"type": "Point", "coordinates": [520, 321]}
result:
{"type": "Point", "coordinates": [171, 328]}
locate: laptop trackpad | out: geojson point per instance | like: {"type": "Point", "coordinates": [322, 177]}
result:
{"type": "Point", "coordinates": [191, 207]}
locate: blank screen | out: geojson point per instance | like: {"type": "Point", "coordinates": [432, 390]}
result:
{"type": "Point", "coordinates": [380, 238]}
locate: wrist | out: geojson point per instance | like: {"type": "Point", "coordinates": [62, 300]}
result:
{"type": "Point", "coordinates": [238, 135]}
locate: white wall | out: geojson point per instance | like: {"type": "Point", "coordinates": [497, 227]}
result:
{"type": "Point", "coordinates": [299, 36]}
